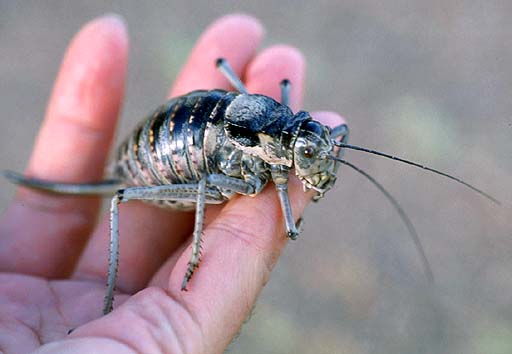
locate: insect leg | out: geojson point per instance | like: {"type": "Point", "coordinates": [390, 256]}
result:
{"type": "Point", "coordinates": [196, 238]}
{"type": "Point", "coordinates": [220, 181]}
{"type": "Point", "coordinates": [224, 67]}
{"type": "Point", "coordinates": [340, 130]}
{"type": "Point", "coordinates": [181, 192]}
{"type": "Point", "coordinates": [113, 259]}
{"type": "Point", "coordinates": [231, 183]}
{"type": "Point", "coordinates": [285, 92]}
{"type": "Point", "coordinates": [343, 132]}
{"type": "Point", "coordinates": [280, 178]}
{"type": "Point", "coordinates": [291, 227]}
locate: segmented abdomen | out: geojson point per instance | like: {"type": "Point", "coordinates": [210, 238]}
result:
{"type": "Point", "coordinates": [169, 147]}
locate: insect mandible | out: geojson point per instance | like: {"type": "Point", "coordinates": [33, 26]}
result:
{"type": "Point", "coordinates": [206, 146]}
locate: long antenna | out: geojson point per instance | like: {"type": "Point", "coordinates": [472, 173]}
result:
{"type": "Point", "coordinates": [479, 191]}
{"type": "Point", "coordinates": [410, 227]}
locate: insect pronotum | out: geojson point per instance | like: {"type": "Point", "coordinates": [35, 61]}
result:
{"type": "Point", "coordinates": [206, 146]}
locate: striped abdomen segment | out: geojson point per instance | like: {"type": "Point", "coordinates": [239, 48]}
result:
{"type": "Point", "coordinates": [168, 147]}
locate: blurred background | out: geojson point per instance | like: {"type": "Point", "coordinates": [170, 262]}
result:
{"type": "Point", "coordinates": [429, 81]}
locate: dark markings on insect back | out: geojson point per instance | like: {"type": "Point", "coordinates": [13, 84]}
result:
{"type": "Point", "coordinates": [180, 153]}
{"type": "Point", "coordinates": [202, 112]}
{"type": "Point", "coordinates": [216, 117]}
{"type": "Point", "coordinates": [156, 123]}
{"type": "Point", "coordinates": [146, 154]}
{"type": "Point", "coordinates": [165, 136]}
{"type": "Point", "coordinates": [194, 168]}
{"type": "Point", "coordinates": [194, 147]}
{"type": "Point", "coordinates": [218, 113]}
{"type": "Point", "coordinates": [156, 128]}
{"type": "Point", "coordinates": [196, 130]}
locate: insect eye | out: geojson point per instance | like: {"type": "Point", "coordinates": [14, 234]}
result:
{"type": "Point", "coordinates": [308, 152]}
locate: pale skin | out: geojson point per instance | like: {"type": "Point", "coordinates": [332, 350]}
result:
{"type": "Point", "coordinates": [54, 250]}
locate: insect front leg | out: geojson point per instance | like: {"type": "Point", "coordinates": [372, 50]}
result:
{"type": "Point", "coordinates": [343, 132]}
{"type": "Point", "coordinates": [280, 176]}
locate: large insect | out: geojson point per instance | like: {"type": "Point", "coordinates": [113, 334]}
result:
{"type": "Point", "coordinates": [206, 146]}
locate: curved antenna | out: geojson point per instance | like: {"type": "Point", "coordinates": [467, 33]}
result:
{"type": "Point", "coordinates": [405, 219]}
{"type": "Point", "coordinates": [479, 191]}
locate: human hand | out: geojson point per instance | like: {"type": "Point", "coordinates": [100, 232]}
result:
{"type": "Point", "coordinates": [53, 255]}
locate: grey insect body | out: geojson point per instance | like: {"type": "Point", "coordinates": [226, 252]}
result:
{"type": "Point", "coordinates": [207, 133]}
{"type": "Point", "coordinates": [206, 146]}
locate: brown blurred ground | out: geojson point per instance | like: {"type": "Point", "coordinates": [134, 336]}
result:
{"type": "Point", "coordinates": [430, 81]}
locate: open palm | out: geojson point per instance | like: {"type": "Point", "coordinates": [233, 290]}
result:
{"type": "Point", "coordinates": [54, 253]}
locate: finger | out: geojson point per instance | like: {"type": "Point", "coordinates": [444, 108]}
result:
{"type": "Point", "coordinates": [72, 146]}
{"type": "Point", "coordinates": [149, 234]}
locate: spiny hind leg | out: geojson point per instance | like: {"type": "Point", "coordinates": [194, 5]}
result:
{"type": "Point", "coordinates": [196, 237]}
{"type": "Point", "coordinates": [179, 192]}
{"type": "Point", "coordinates": [200, 193]}
{"type": "Point", "coordinates": [220, 181]}
{"type": "Point", "coordinates": [224, 67]}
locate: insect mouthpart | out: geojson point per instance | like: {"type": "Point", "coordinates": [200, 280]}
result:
{"type": "Point", "coordinates": [311, 149]}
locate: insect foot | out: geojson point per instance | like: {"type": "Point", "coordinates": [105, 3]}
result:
{"type": "Point", "coordinates": [188, 275]}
